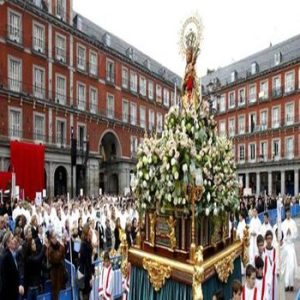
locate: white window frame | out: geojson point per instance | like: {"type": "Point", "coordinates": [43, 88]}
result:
{"type": "Point", "coordinates": [15, 130]}
{"type": "Point", "coordinates": [38, 42]}
{"type": "Point", "coordinates": [133, 113]}
{"type": "Point", "coordinates": [110, 112]}
{"type": "Point", "coordinates": [275, 124]}
{"type": "Point", "coordinates": [276, 90]}
{"type": "Point", "coordinates": [252, 96]}
{"type": "Point", "coordinates": [82, 125]}
{"type": "Point", "coordinates": [253, 68]}
{"type": "Point", "coordinates": [288, 88]}
{"type": "Point", "coordinates": [166, 93]}
{"type": "Point", "coordinates": [110, 77]}
{"type": "Point", "coordinates": [125, 113]}
{"type": "Point", "coordinates": [264, 89]}
{"type": "Point", "coordinates": [150, 89]}
{"type": "Point", "coordinates": [61, 52]}
{"type": "Point", "coordinates": [289, 154]}
{"type": "Point", "coordinates": [61, 9]}
{"type": "Point", "coordinates": [81, 61]}
{"type": "Point", "coordinates": [222, 103]}
{"type": "Point", "coordinates": [244, 97]}
{"type": "Point", "coordinates": [60, 98]}
{"type": "Point", "coordinates": [249, 148]}
{"type": "Point", "coordinates": [263, 126]}
{"type": "Point", "coordinates": [81, 101]}
{"type": "Point", "coordinates": [133, 81]}
{"type": "Point", "coordinates": [151, 119]}
{"type": "Point", "coordinates": [231, 127]}
{"type": "Point", "coordinates": [15, 34]}
{"type": "Point", "coordinates": [159, 122]}
{"type": "Point", "coordinates": [231, 105]}
{"type": "Point", "coordinates": [93, 65]}
{"type": "Point", "coordinates": [262, 155]}
{"type": "Point", "coordinates": [125, 79]}
{"type": "Point", "coordinates": [158, 93]}
{"type": "Point", "coordinates": [60, 140]}
{"type": "Point", "coordinates": [39, 90]}
{"type": "Point", "coordinates": [38, 132]}
{"type": "Point", "coordinates": [277, 157]}
{"type": "Point", "coordinates": [133, 145]}
{"type": "Point", "coordinates": [143, 86]}
{"type": "Point", "coordinates": [244, 125]}
{"type": "Point", "coordinates": [15, 80]}
{"type": "Point", "coordinates": [289, 120]}
{"type": "Point", "coordinates": [143, 119]}
{"type": "Point", "coordinates": [93, 102]}
{"type": "Point", "coordinates": [222, 128]}
{"type": "Point", "coordinates": [249, 122]}
{"type": "Point", "coordinates": [239, 153]}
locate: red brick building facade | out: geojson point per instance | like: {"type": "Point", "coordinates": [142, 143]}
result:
{"type": "Point", "coordinates": [257, 102]}
{"type": "Point", "coordinates": [60, 71]}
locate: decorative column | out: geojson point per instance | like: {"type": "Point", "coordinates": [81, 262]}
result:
{"type": "Point", "coordinates": [257, 183]}
{"type": "Point", "coordinates": [269, 183]}
{"type": "Point", "coordinates": [296, 182]}
{"type": "Point", "coordinates": [247, 180]}
{"type": "Point", "coordinates": [282, 180]}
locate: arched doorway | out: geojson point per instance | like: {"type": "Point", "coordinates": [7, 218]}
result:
{"type": "Point", "coordinates": [60, 181]}
{"type": "Point", "coordinates": [113, 184]}
{"type": "Point", "coordinates": [110, 147]}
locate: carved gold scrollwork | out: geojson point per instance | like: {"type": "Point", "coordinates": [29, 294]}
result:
{"type": "Point", "coordinates": [198, 275]}
{"type": "Point", "coordinates": [152, 218]}
{"type": "Point", "coordinates": [246, 243]}
{"type": "Point", "coordinates": [225, 267]}
{"type": "Point", "coordinates": [172, 235]}
{"type": "Point", "coordinates": [124, 252]}
{"type": "Point", "coordinates": [157, 273]}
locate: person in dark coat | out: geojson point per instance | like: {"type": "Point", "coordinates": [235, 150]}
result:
{"type": "Point", "coordinates": [85, 261]}
{"type": "Point", "coordinates": [108, 235]}
{"type": "Point", "coordinates": [10, 284]}
{"type": "Point", "coordinates": [134, 229]}
{"type": "Point", "coordinates": [100, 230]}
{"type": "Point", "coordinates": [56, 257]}
{"type": "Point", "coordinates": [117, 233]}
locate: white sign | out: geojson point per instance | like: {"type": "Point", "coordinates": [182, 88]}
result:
{"type": "Point", "coordinates": [81, 192]}
{"type": "Point", "coordinates": [247, 191]}
{"type": "Point", "coordinates": [38, 198]}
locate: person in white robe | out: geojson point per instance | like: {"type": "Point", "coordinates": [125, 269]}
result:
{"type": "Point", "coordinates": [254, 229]}
{"type": "Point", "coordinates": [265, 225]}
{"type": "Point", "coordinates": [260, 282]}
{"type": "Point", "coordinates": [106, 279]}
{"type": "Point", "coordinates": [240, 234]}
{"type": "Point", "coordinates": [289, 261]}
{"type": "Point", "coordinates": [249, 291]}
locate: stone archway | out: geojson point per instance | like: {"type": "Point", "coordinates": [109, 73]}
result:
{"type": "Point", "coordinates": [60, 181]}
{"type": "Point", "coordinates": [110, 146]}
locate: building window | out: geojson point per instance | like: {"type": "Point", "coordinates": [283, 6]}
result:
{"type": "Point", "coordinates": [264, 90]}
{"type": "Point", "coordinates": [252, 93]}
{"type": "Point", "coordinates": [81, 136]}
{"type": "Point", "coordinates": [158, 93]}
{"type": "Point", "coordinates": [60, 133]}
{"type": "Point", "coordinates": [231, 99]}
{"type": "Point", "coordinates": [143, 84]}
{"type": "Point", "coordinates": [125, 78]}
{"type": "Point", "coordinates": [166, 97]}
{"type": "Point", "coordinates": [15, 74]}
{"type": "Point", "coordinates": [173, 100]}
{"type": "Point", "coordinates": [150, 90]}
{"type": "Point", "coordinates": [289, 82]}
{"type": "Point", "coordinates": [93, 100]}
{"type": "Point", "coordinates": [60, 93]}
{"type": "Point", "coordinates": [289, 147]}
{"type": "Point", "coordinates": [151, 119]}
{"type": "Point", "coordinates": [81, 101]}
{"type": "Point", "coordinates": [15, 123]}
{"type": "Point", "coordinates": [277, 58]}
{"type": "Point", "coordinates": [110, 71]}
{"type": "Point", "coordinates": [276, 149]}
{"type": "Point", "coordinates": [15, 27]}
{"type": "Point", "coordinates": [254, 68]}
{"type": "Point", "coordinates": [133, 113]}
{"type": "Point", "coordinates": [289, 113]}
{"type": "Point", "coordinates": [133, 145]}
{"type": "Point", "coordinates": [231, 127]}
{"type": "Point", "coordinates": [39, 38]}
{"type": "Point", "coordinates": [60, 49]}
{"type": "Point", "coordinates": [263, 120]}
{"type": "Point", "coordinates": [241, 152]}
{"type": "Point", "coordinates": [233, 76]}
{"type": "Point", "coordinates": [81, 58]}
{"type": "Point", "coordinates": [263, 151]}
{"type": "Point", "coordinates": [159, 122]}
{"type": "Point", "coordinates": [222, 103]}
{"type": "Point", "coordinates": [133, 81]}
{"type": "Point", "coordinates": [93, 64]}
{"type": "Point", "coordinates": [125, 111]}
{"type": "Point", "coordinates": [252, 122]}
{"type": "Point", "coordinates": [61, 9]}
{"type": "Point", "coordinates": [252, 152]}
{"type": "Point", "coordinates": [143, 117]}
{"type": "Point", "coordinates": [110, 106]}
{"type": "Point", "coordinates": [242, 97]}
{"type": "Point", "coordinates": [38, 82]}
{"type": "Point", "coordinates": [222, 130]}
{"type": "Point", "coordinates": [39, 128]}
{"type": "Point", "coordinates": [241, 124]}
{"type": "Point", "coordinates": [276, 91]}
{"type": "Point", "coordinates": [275, 117]}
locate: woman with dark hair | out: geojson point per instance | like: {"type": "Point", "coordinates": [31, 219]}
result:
{"type": "Point", "coordinates": [128, 235]}
{"type": "Point", "coordinates": [85, 261]}
{"type": "Point", "coordinates": [56, 257]}
{"type": "Point", "coordinates": [134, 229]}
{"type": "Point", "coordinates": [80, 226]}
{"type": "Point", "coordinates": [117, 233]}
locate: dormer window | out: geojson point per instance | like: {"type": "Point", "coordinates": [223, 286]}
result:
{"type": "Point", "coordinates": [147, 64]}
{"type": "Point", "coordinates": [162, 72]}
{"type": "Point", "coordinates": [254, 68]}
{"type": "Point", "coordinates": [129, 53]}
{"type": "Point", "coordinates": [233, 76]}
{"type": "Point", "coordinates": [277, 58]}
{"type": "Point", "coordinates": [107, 39]}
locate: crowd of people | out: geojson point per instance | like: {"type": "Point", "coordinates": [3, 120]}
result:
{"type": "Point", "coordinates": [35, 240]}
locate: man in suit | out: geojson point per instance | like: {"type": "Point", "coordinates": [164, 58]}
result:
{"type": "Point", "coordinates": [10, 287]}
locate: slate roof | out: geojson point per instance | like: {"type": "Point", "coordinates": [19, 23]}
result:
{"type": "Point", "coordinates": [289, 49]}
{"type": "Point", "coordinates": [119, 45]}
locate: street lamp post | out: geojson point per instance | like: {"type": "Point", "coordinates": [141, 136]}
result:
{"type": "Point", "coordinates": [85, 157]}
{"type": "Point", "coordinates": [211, 91]}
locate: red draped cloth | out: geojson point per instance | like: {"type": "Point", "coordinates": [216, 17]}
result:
{"type": "Point", "coordinates": [27, 161]}
{"type": "Point", "coordinates": [5, 181]}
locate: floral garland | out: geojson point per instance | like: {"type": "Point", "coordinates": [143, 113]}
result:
{"type": "Point", "coordinates": [166, 164]}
